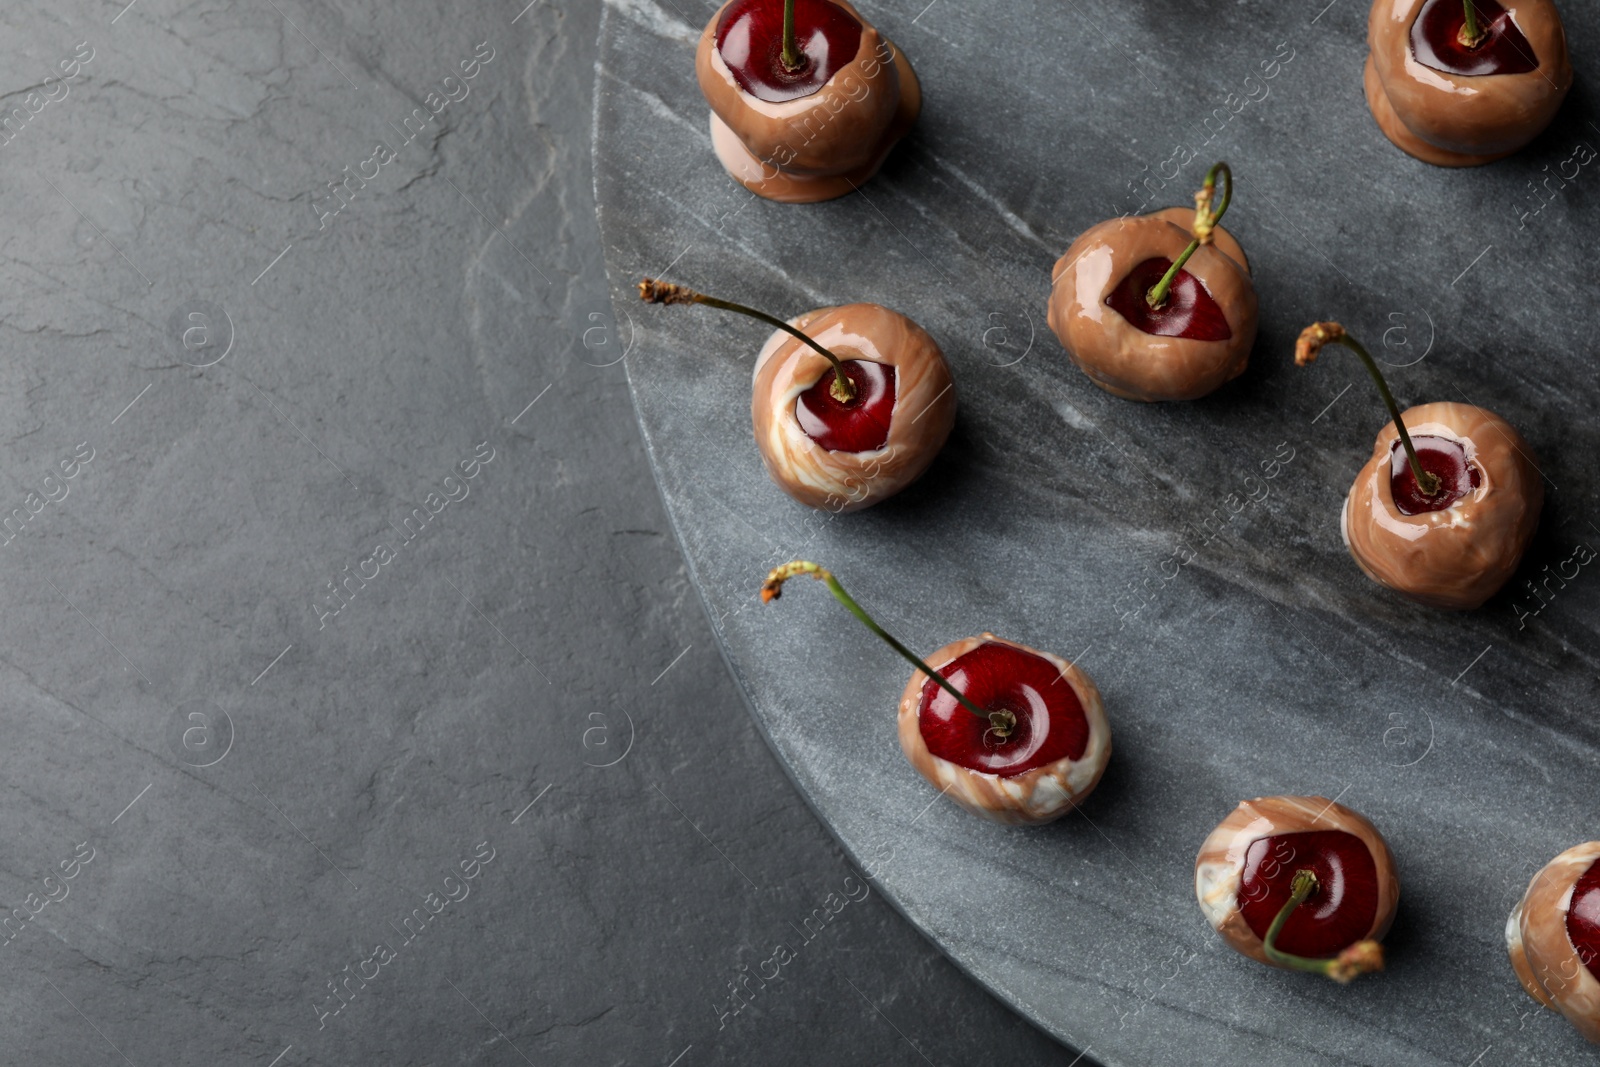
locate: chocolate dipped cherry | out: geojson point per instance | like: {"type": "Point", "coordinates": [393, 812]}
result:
{"type": "Point", "coordinates": [806, 97]}
{"type": "Point", "coordinates": [1008, 732]}
{"type": "Point", "coordinates": [1447, 504]}
{"type": "Point", "coordinates": [850, 404]}
{"type": "Point", "coordinates": [1463, 82]}
{"type": "Point", "coordinates": [1301, 883]}
{"type": "Point", "coordinates": [1159, 306]}
{"type": "Point", "coordinates": [1553, 937]}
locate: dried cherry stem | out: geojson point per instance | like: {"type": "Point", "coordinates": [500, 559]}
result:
{"type": "Point", "coordinates": [1002, 723]}
{"type": "Point", "coordinates": [1205, 220]}
{"type": "Point", "coordinates": [1363, 957]}
{"type": "Point", "coordinates": [1472, 34]}
{"type": "Point", "coordinates": [1306, 350]}
{"type": "Point", "coordinates": [791, 57]}
{"type": "Point", "coordinates": [653, 291]}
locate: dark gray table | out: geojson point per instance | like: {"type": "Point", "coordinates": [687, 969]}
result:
{"type": "Point", "coordinates": [494, 663]}
{"type": "Point", "coordinates": [1269, 664]}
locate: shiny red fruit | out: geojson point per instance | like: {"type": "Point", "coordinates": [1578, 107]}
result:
{"type": "Point", "coordinates": [1190, 310]}
{"type": "Point", "coordinates": [1583, 919]}
{"type": "Point", "coordinates": [750, 39]}
{"type": "Point", "coordinates": [1339, 911]}
{"type": "Point", "coordinates": [1436, 40]}
{"type": "Point", "coordinates": [1444, 459]}
{"type": "Point", "coordinates": [1050, 723]}
{"type": "Point", "coordinates": [857, 425]}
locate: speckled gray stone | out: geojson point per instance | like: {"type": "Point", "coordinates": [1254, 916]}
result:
{"type": "Point", "coordinates": [1269, 664]}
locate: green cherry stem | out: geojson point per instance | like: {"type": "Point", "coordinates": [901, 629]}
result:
{"type": "Point", "coordinates": [1360, 958]}
{"type": "Point", "coordinates": [791, 57]}
{"type": "Point", "coordinates": [1471, 35]}
{"type": "Point", "coordinates": [1205, 220]}
{"type": "Point", "coordinates": [1001, 722]}
{"type": "Point", "coordinates": [1304, 884]}
{"type": "Point", "coordinates": [652, 291]}
{"type": "Point", "coordinates": [1306, 350]}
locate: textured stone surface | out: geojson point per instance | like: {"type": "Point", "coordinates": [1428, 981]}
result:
{"type": "Point", "coordinates": [1268, 664]}
{"type": "Point", "coordinates": [498, 659]}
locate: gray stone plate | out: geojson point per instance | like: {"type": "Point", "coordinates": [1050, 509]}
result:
{"type": "Point", "coordinates": [1268, 664]}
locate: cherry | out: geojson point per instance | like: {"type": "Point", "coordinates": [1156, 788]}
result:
{"type": "Point", "coordinates": [839, 385]}
{"type": "Point", "coordinates": [1340, 909]}
{"type": "Point", "coordinates": [1189, 310]}
{"type": "Point", "coordinates": [1437, 39]}
{"type": "Point", "coordinates": [1161, 298]}
{"type": "Point", "coordinates": [750, 37]}
{"type": "Point", "coordinates": [1049, 719]}
{"type": "Point", "coordinates": [1430, 484]}
{"type": "Point", "coordinates": [860, 424]}
{"type": "Point", "coordinates": [1583, 918]}
{"type": "Point", "coordinates": [996, 709]}
{"type": "Point", "coordinates": [1441, 457]}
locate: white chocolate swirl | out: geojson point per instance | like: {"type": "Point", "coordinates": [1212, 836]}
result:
{"type": "Point", "coordinates": [924, 408]}
{"type": "Point", "coordinates": [1219, 868]}
{"type": "Point", "coordinates": [1037, 796]}
{"type": "Point", "coordinates": [1541, 951]}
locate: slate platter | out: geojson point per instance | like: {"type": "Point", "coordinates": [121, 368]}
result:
{"type": "Point", "coordinates": [1268, 664]}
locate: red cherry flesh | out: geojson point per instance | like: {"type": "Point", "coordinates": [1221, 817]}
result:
{"type": "Point", "coordinates": [1583, 919]}
{"type": "Point", "coordinates": [1436, 40]}
{"type": "Point", "coordinates": [750, 38]}
{"type": "Point", "coordinates": [857, 425]}
{"type": "Point", "coordinates": [1190, 311]}
{"type": "Point", "coordinates": [1050, 719]}
{"type": "Point", "coordinates": [1339, 911]}
{"type": "Point", "coordinates": [1444, 459]}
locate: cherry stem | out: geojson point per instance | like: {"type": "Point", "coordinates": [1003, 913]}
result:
{"type": "Point", "coordinates": [652, 291]}
{"type": "Point", "coordinates": [1313, 337]}
{"type": "Point", "coordinates": [1205, 220]}
{"type": "Point", "coordinates": [1001, 722]}
{"type": "Point", "coordinates": [791, 57]}
{"type": "Point", "coordinates": [1360, 958]}
{"type": "Point", "coordinates": [1471, 35]}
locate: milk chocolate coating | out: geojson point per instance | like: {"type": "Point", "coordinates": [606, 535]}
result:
{"type": "Point", "coordinates": [1118, 356]}
{"type": "Point", "coordinates": [1219, 869]}
{"type": "Point", "coordinates": [924, 409]}
{"type": "Point", "coordinates": [1041, 795]}
{"type": "Point", "coordinates": [1547, 964]}
{"type": "Point", "coordinates": [1455, 120]}
{"type": "Point", "coordinates": [815, 147]}
{"type": "Point", "coordinates": [1460, 556]}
